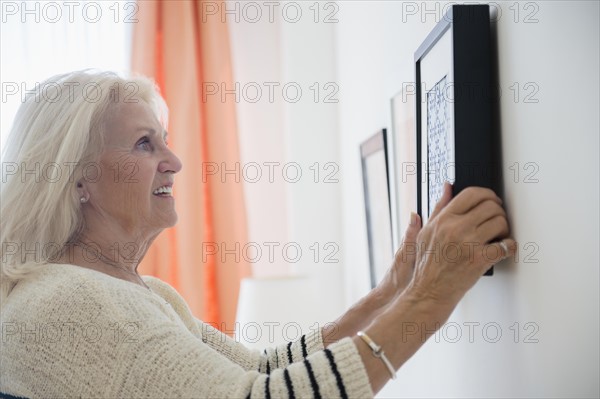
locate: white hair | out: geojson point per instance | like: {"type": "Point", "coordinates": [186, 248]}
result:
{"type": "Point", "coordinates": [57, 132]}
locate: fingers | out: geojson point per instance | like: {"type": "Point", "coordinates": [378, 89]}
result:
{"type": "Point", "coordinates": [497, 251]}
{"type": "Point", "coordinates": [413, 228]}
{"type": "Point", "coordinates": [489, 220]}
{"type": "Point", "coordinates": [409, 241]}
{"type": "Point", "coordinates": [443, 201]}
{"type": "Point", "coordinates": [483, 212]}
{"type": "Point", "coordinates": [470, 197]}
{"type": "Point", "coordinates": [492, 229]}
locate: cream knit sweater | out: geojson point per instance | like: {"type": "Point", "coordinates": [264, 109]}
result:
{"type": "Point", "coordinates": [72, 332]}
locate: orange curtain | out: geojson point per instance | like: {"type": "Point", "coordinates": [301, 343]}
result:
{"type": "Point", "coordinates": [186, 54]}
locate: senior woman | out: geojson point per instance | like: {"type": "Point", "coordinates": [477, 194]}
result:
{"type": "Point", "coordinates": [78, 321]}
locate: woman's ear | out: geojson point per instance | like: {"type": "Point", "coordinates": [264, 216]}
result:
{"type": "Point", "coordinates": [82, 193]}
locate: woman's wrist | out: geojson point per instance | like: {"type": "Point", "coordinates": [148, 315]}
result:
{"type": "Point", "coordinates": [416, 309]}
{"type": "Point", "coordinates": [359, 316]}
{"type": "Point", "coordinates": [400, 330]}
{"type": "Point", "coordinates": [378, 299]}
{"type": "Point", "coordinates": [416, 294]}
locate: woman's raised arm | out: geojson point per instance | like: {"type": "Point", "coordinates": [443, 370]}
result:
{"type": "Point", "coordinates": [464, 237]}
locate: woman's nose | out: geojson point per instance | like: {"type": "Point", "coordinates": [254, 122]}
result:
{"type": "Point", "coordinates": [171, 163]}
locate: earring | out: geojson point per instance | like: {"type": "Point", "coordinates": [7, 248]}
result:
{"type": "Point", "coordinates": [83, 200]}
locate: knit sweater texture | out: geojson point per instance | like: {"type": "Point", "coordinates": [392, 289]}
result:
{"type": "Point", "coordinates": [72, 332]}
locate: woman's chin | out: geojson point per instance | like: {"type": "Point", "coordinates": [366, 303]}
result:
{"type": "Point", "coordinates": [169, 220]}
{"type": "Point", "coordinates": [173, 222]}
{"type": "Point", "coordinates": [166, 217]}
{"type": "Point", "coordinates": [172, 219]}
{"type": "Point", "coordinates": [165, 222]}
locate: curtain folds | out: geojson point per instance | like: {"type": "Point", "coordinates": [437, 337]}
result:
{"type": "Point", "coordinates": [184, 54]}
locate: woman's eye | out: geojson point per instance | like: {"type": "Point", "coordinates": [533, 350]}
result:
{"type": "Point", "coordinates": [144, 143]}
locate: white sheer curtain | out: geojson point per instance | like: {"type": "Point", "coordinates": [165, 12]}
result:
{"type": "Point", "coordinates": [39, 39]}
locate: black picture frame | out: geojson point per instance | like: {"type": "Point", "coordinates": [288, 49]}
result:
{"type": "Point", "coordinates": [467, 97]}
{"type": "Point", "coordinates": [376, 187]}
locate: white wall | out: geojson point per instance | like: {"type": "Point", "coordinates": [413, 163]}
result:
{"type": "Point", "coordinates": [368, 53]}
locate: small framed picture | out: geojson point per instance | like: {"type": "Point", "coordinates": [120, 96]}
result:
{"type": "Point", "coordinates": [404, 155]}
{"type": "Point", "coordinates": [454, 102]}
{"type": "Point", "coordinates": [376, 184]}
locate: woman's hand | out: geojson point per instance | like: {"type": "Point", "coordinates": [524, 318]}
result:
{"type": "Point", "coordinates": [401, 272]}
{"type": "Point", "coordinates": [459, 244]}
{"type": "Point", "coordinates": [377, 300]}
{"type": "Point", "coordinates": [453, 250]}
{"type": "Point", "coordinates": [438, 262]}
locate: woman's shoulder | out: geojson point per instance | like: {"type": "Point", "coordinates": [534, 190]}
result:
{"type": "Point", "coordinates": [53, 278]}
{"type": "Point", "coordinates": [171, 297]}
{"type": "Point", "coordinates": [69, 292]}
{"type": "Point", "coordinates": [163, 289]}
{"type": "Point", "coordinates": [64, 290]}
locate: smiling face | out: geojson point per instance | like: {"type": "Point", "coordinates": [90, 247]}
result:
{"type": "Point", "coordinates": [137, 173]}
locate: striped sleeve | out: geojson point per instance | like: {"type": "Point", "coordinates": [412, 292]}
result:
{"type": "Point", "coordinates": [335, 372]}
{"type": "Point", "coordinates": [222, 367]}
{"type": "Point", "coordinates": [292, 352]}
{"type": "Point", "coordinates": [270, 359]}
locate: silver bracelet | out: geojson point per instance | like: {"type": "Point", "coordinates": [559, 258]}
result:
{"type": "Point", "coordinates": [378, 352]}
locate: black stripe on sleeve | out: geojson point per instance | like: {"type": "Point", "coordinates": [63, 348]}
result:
{"type": "Point", "coordinates": [313, 380]}
{"type": "Point", "coordinates": [289, 351]}
{"type": "Point", "coordinates": [338, 377]}
{"type": "Point", "coordinates": [288, 384]}
{"type": "Point", "coordinates": [267, 391]}
{"type": "Point", "coordinates": [268, 367]}
{"type": "Point", "coordinates": [303, 344]}
{"type": "Point", "coordinates": [8, 396]}
{"type": "Point", "coordinates": [276, 358]}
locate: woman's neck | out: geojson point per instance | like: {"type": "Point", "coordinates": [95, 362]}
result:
{"type": "Point", "coordinates": [116, 257]}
